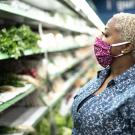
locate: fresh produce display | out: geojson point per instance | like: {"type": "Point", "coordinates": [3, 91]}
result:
{"type": "Point", "coordinates": [8, 130]}
{"type": "Point", "coordinates": [62, 125]}
{"type": "Point", "coordinates": [56, 41]}
{"type": "Point", "coordinates": [43, 127]}
{"type": "Point", "coordinates": [16, 80]}
{"type": "Point", "coordinates": [10, 80]}
{"type": "Point", "coordinates": [15, 41]}
{"type": "Point", "coordinates": [36, 92]}
{"type": "Point", "coordinates": [5, 130]}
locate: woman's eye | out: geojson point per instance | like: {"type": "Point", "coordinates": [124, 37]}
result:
{"type": "Point", "coordinates": [106, 35]}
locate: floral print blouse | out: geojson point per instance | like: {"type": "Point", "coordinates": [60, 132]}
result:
{"type": "Point", "coordinates": [112, 112]}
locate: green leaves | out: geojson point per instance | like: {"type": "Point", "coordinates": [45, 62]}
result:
{"type": "Point", "coordinates": [10, 79]}
{"type": "Point", "coordinates": [63, 123]}
{"type": "Point", "coordinates": [15, 41]}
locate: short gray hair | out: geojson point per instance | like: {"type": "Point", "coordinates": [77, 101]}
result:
{"type": "Point", "coordinates": [125, 23]}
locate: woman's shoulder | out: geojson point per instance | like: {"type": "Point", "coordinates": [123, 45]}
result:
{"type": "Point", "coordinates": [131, 89]}
{"type": "Point", "coordinates": [129, 93]}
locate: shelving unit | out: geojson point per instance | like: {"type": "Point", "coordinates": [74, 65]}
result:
{"type": "Point", "coordinates": [29, 17]}
{"type": "Point", "coordinates": [70, 5]}
{"type": "Point", "coordinates": [52, 77]}
{"type": "Point", "coordinates": [66, 87]}
{"type": "Point", "coordinates": [26, 53]}
{"type": "Point", "coordinates": [67, 49]}
{"type": "Point", "coordinates": [21, 117]}
{"type": "Point", "coordinates": [30, 116]}
{"type": "Point", "coordinates": [9, 98]}
{"type": "Point", "coordinates": [84, 10]}
{"type": "Point", "coordinates": [27, 116]}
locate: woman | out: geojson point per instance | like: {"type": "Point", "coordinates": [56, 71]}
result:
{"type": "Point", "coordinates": [106, 104]}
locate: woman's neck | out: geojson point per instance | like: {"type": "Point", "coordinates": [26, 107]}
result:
{"type": "Point", "coordinates": [121, 64]}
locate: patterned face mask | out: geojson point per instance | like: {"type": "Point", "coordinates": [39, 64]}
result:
{"type": "Point", "coordinates": [103, 52]}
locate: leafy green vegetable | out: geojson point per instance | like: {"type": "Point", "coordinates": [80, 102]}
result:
{"type": "Point", "coordinates": [63, 124]}
{"type": "Point", "coordinates": [43, 128]}
{"type": "Point", "coordinates": [10, 79]}
{"type": "Point", "coordinates": [5, 129]}
{"type": "Point", "coordinates": [15, 41]}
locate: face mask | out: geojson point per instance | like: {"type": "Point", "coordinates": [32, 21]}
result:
{"type": "Point", "coordinates": [103, 52]}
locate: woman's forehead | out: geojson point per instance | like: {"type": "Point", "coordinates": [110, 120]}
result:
{"type": "Point", "coordinates": [111, 25]}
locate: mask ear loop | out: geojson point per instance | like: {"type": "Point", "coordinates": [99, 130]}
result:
{"type": "Point", "coordinates": [118, 55]}
{"type": "Point", "coordinates": [119, 44]}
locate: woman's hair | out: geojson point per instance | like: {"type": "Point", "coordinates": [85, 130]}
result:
{"type": "Point", "coordinates": [125, 23]}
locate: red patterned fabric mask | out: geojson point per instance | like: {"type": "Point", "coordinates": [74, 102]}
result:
{"type": "Point", "coordinates": [103, 52]}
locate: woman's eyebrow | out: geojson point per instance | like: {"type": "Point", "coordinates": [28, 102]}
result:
{"type": "Point", "coordinates": [106, 28]}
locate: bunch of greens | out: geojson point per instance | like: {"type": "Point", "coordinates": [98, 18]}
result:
{"type": "Point", "coordinates": [63, 124]}
{"type": "Point", "coordinates": [8, 130]}
{"type": "Point", "coordinates": [15, 41]}
{"type": "Point", "coordinates": [4, 129]}
{"type": "Point", "coordinates": [10, 79]}
{"type": "Point", "coordinates": [43, 127]}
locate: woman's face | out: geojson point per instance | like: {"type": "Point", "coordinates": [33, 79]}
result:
{"type": "Point", "coordinates": [111, 35]}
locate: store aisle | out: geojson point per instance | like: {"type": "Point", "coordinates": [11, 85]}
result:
{"type": "Point", "coordinates": [46, 55]}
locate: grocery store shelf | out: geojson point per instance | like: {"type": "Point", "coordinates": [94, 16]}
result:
{"type": "Point", "coordinates": [66, 87]}
{"type": "Point", "coordinates": [76, 62]}
{"type": "Point", "coordinates": [66, 48]}
{"type": "Point", "coordinates": [22, 118]}
{"type": "Point", "coordinates": [26, 53]}
{"type": "Point", "coordinates": [14, 134]}
{"type": "Point", "coordinates": [84, 10]}
{"type": "Point", "coordinates": [9, 12]}
{"type": "Point", "coordinates": [8, 99]}
{"type": "Point", "coordinates": [70, 5]}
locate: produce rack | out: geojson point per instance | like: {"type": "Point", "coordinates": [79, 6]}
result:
{"type": "Point", "coordinates": [83, 9]}
{"type": "Point", "coordinates": [67, 49]}
{"type": "Point", "coordinates": [10, 98]}
{"type": "Point", "coordinates": [34, 19]}
{"type": "Point", "coordinates": [69, 67]}
{"type": "Point", "coordinates": [26, 53]}
{"type": "Point", "coordinates": [69, 4]}
{"type": "Point", "coordinates": [66, 87]}
{"type": "Point", "coordinates": [65, 60]}
{"type": "Point", "coordinates": [30, 116]}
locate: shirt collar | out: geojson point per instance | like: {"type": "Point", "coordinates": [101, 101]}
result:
{"type": "Point", "coordinates": [103, 73]}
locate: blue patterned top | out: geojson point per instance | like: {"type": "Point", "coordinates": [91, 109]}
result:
{"type": "Point", "coordinates": [112, 112]}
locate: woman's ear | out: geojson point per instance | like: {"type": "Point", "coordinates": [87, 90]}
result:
{"type": "Point", "coordinates": [129, 48]}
